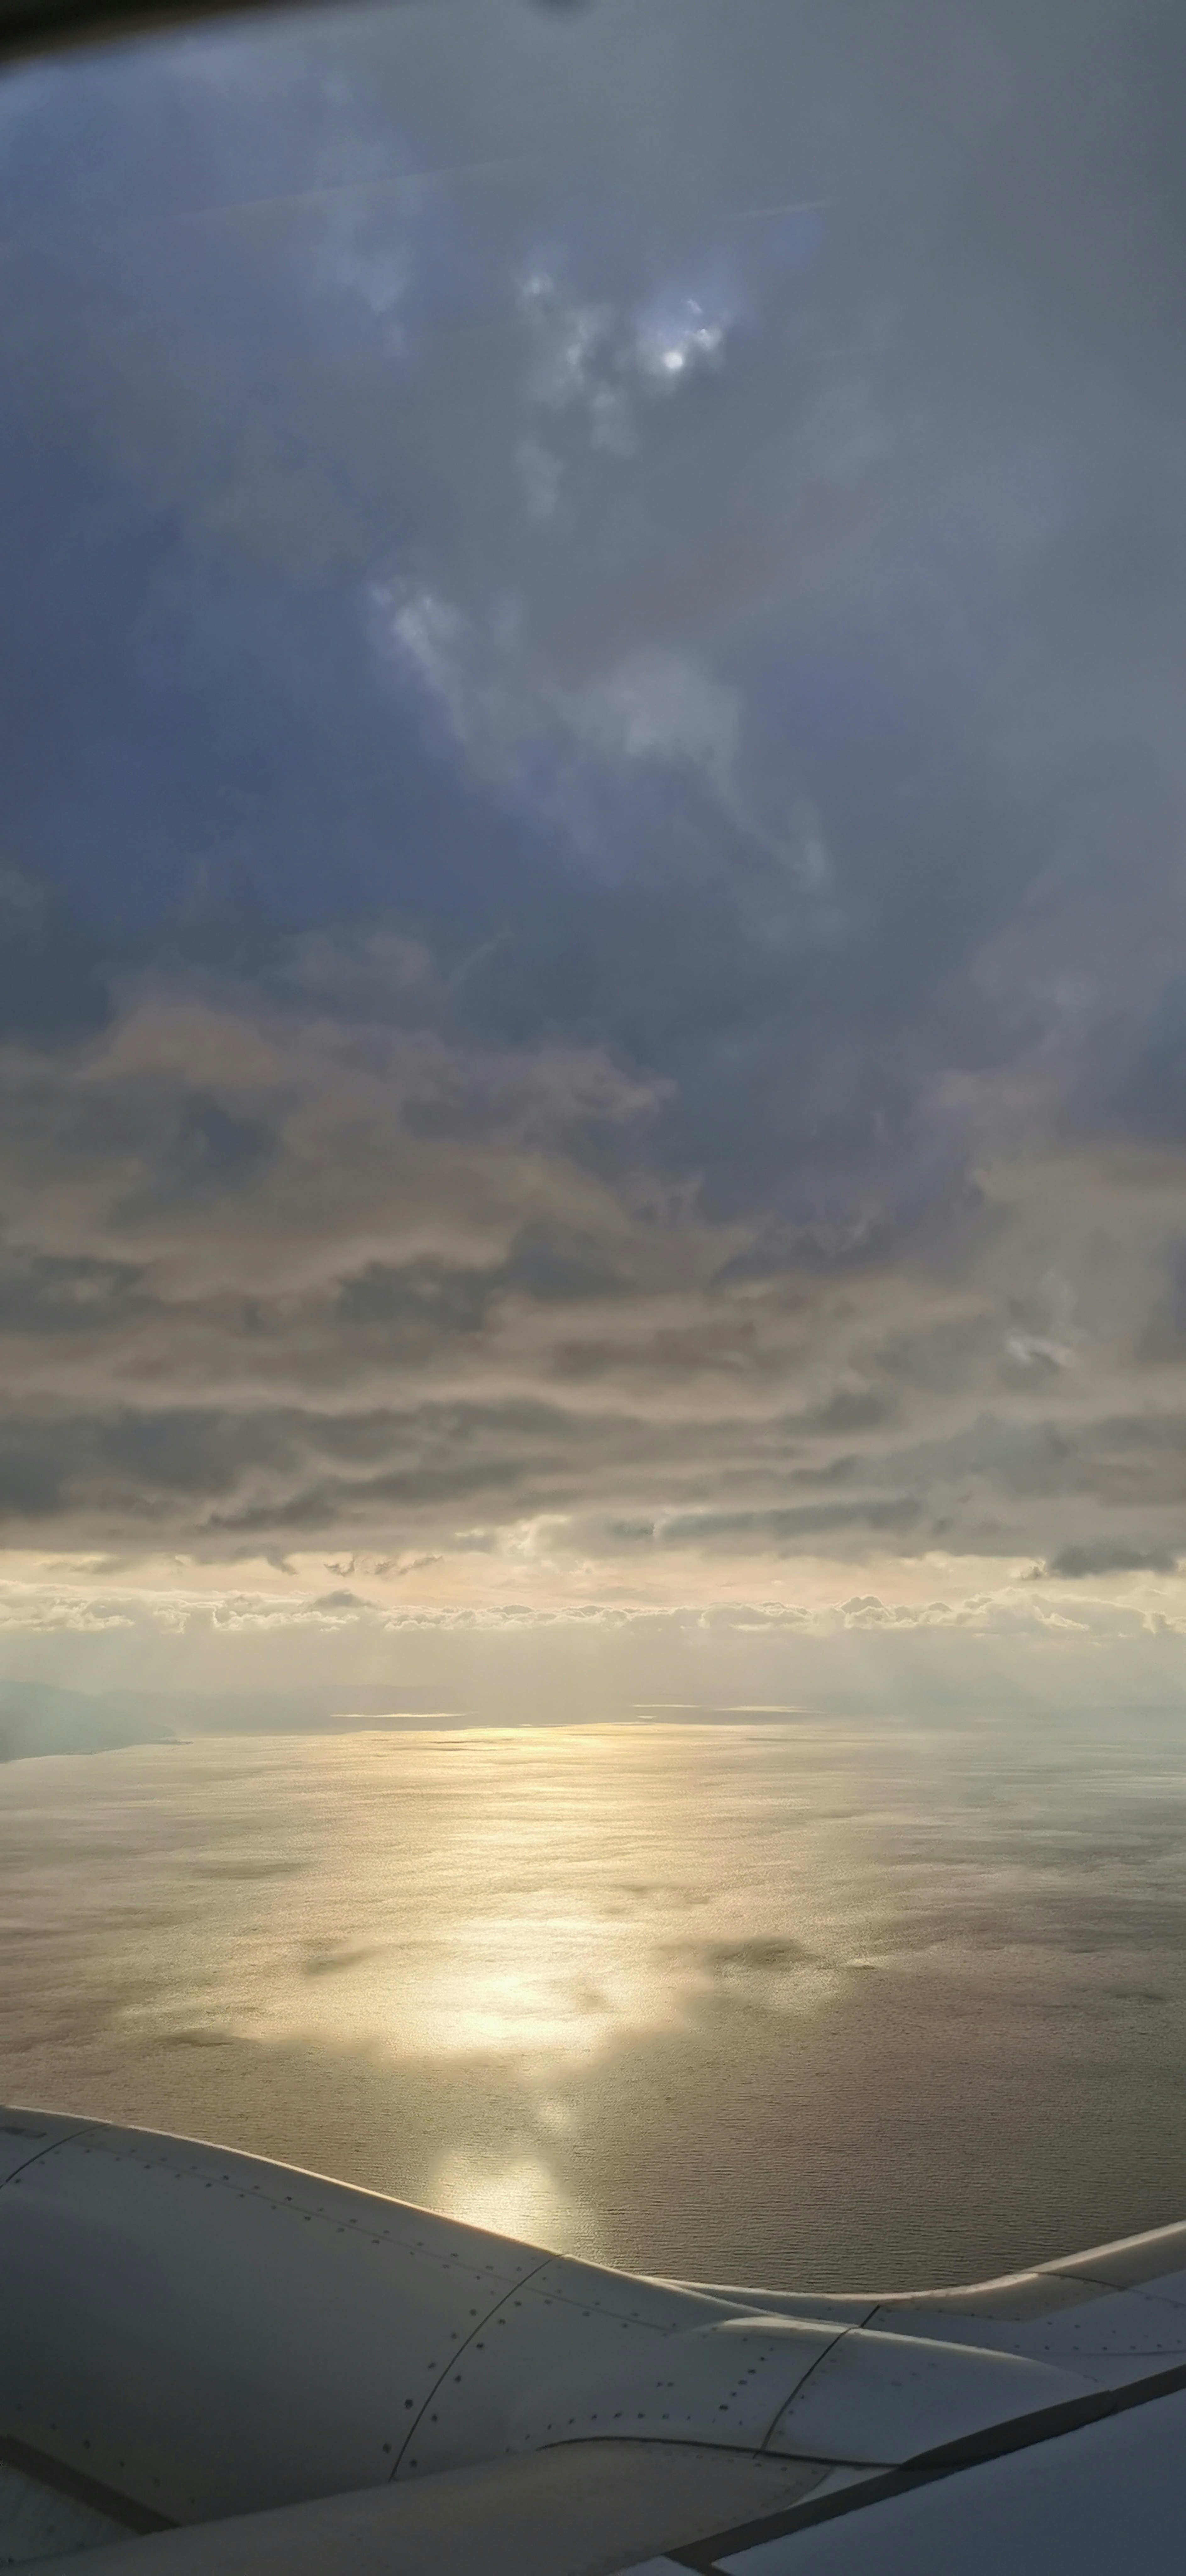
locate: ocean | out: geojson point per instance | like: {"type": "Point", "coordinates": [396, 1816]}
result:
{"type": "Point", "coordinates": [838, 2006]}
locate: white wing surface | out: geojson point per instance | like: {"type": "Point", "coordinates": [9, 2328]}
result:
{"type": "Point", "coordinates": [214, 2363]}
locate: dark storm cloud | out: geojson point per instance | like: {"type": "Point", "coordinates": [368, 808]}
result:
{"type": "Point", "coordinates": [779, 1531]}
{"type": "Point", "coordinates": [1076, 1563]}
{"type": "Point", "coordinates": [220, 1474]}
{"type": "Point", "coordinates": [591, 914]}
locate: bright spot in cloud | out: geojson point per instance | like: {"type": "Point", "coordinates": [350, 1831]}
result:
{"type": "Point", "coordinates": [675, 333]}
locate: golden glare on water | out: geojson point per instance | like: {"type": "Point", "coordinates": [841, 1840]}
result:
{"type": "Point", "coordinates": [568, 2000]}
{"type": "Point", "coordinates": [522, 2198]}
{"type": "Point", "coordinates": [574, 1914]}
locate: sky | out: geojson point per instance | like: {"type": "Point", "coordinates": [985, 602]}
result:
{"type": "Point", "coordinates": [592, 912]}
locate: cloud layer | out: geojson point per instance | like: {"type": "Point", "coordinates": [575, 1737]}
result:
{"type": "Point", "coordinates": [593, 937]}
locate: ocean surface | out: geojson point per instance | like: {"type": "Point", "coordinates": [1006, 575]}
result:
{"type": "Point", "coordinates": [808, 2005]}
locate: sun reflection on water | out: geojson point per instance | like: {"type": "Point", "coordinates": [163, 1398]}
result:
{"type": "Point", "coordinates": [521, 2198]}
{"type": "Point", "coordinates": [492, 1986]}
{"type": "Point", "coordinates": [506, 1823]}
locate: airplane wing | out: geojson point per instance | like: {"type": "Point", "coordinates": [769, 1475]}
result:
{"type": "Point", "coordinates": [215, 2366]}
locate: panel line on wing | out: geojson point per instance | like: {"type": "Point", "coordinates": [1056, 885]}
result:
{"type": "Point", "coordinates": [48, 2472]}
{"type": "Point", "coordinates": [515, 2288]}
{"type": "Point", "coordinates": [1017, 2433]}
